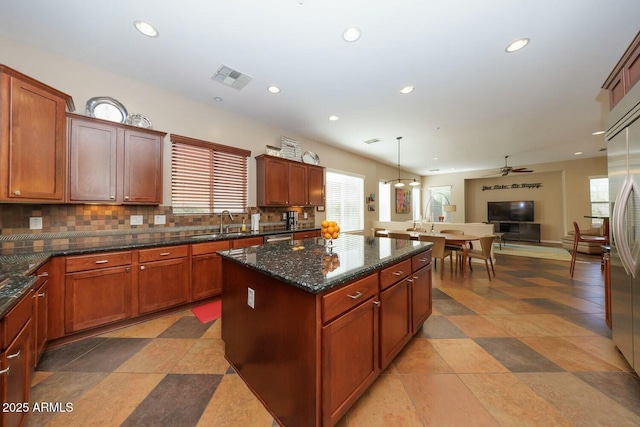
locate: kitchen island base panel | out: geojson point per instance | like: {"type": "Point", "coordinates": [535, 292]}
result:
{"type": "Point", "coordinates": [273, 346]}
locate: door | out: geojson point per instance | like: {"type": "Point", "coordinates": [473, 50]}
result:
{"type": "Point", "coordinates": [634, 156]}
{"type": "Point", "coordinates": [92, 162]}
{"type": "Point", "coordinates": [163, 284]}
{"type": "Point", "coordinates": [16, 373]}
{"type": "Point", "coordinates": [315, 176]}
{"type": "Point", "coordinates": [276, 182]}
{"type": "Point", "coordinates": [298, 184]}
{"type": "Point", "coordinates": [142, 168]}
{"type": "Point", "coordinates": [206, 276]}
{"type": "Point", "coordinates": [395, 320]}
{"type": "Point", "coordinates": [421, 297]}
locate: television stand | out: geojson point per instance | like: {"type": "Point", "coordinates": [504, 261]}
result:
{"type": "Point", "coordinates": [518, 231]}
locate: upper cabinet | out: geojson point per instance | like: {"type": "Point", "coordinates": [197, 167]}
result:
{"type": "Point", "coordinates": [113, 163]}
{"type": "Point", "coordinates": [32, 139]}
{"type": "Point", "coordinates": [625, 74]}
{"type": "Point", "coordinates": [282, 182]}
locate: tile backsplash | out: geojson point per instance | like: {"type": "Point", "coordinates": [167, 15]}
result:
{"type": "Point", "coordinates": [14, 218]}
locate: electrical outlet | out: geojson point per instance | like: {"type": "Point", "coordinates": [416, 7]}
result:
{"type": "Point", "coordinates": [35, 223]}
{"type": "Point", "coordinates": [160, 219]}
{"type": "Point", "coordinates": [284, 215]}
{"type": "Point", "coordinates": [306, 215]}
{"type": "Point", "coordinates": [136, 220]}
{"type": "Point", "coordinates": [251, 298]}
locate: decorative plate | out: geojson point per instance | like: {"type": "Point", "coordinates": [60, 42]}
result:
{"type": "Point", "coordinates": [106, 108]}
{"type": "Point", "coordinates": [139, 120]}
{"type": "Point", "coordinates": [311, 158]}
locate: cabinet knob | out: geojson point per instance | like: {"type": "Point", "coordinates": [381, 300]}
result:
{"type": "Point", "coordinates": [17, 193]}
{"type": "Point", "coordinates": [142, 267]}
{"type": "Point", "coordinates": [126, 197]}
{"type": "Point", "coordinates": [112, 197]}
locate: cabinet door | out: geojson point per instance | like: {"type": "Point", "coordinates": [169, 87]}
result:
{"type": "Point", "coordinates": [395, 320]}
{"type": "Point", "coordinates": [276, 182]}
{"type": "Point", "coordinates": [33, 152]}
{"type": "Point", "coordinates": [315, 177]}
{"type": "Point", "coordinates": [40, 321]}
{"type": "Point", "coordinates": [97, 297]}
{"type": "Point", "coordinates": [92, 161]}
{"type": "Point", "coordinates": [298, 186]}
{"type": "Point", "coordinates": [206, 276]}
{"type": "Point", "coordinates": [349, 359]}
{"type": "Point", "coordinates": [142, 168]}
{"type": "Point", "coordinates": [16, 377]}
{"type": "Point", "coordinates": [163, 284]}
{"type": "Point", "coordinates": [421, 300]}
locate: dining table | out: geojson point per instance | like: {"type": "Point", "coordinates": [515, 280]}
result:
{"type": "Point", "coordinates": [459, 240]}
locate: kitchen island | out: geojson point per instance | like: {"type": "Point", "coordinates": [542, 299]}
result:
{"type": "Point", "coordinates": [309, 327]}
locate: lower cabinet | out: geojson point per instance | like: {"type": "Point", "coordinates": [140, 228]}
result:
{"type": "Point", "coordinates": [97, 297]}
{"type": "Point", "coordinates": [206, 269]}
{"type": "Point", "coordinates": [16, 364]}
{"type": "Point", "coordinates": [395, 320]}
{"type": "Point", "coordinates": [246, 242]}
{"type": "Point", "coordinates": [421, 297]}
{"type": "Point", "coordinates": [163, 278]}
{"type": "Point", "coordinates": [40, 319]}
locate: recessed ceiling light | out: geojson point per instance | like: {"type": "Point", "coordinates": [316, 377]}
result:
{"type": "Point", "coordinates": [217, 99]}
{"type": "Point", "coordinates": [577, 153]}
{"type": "Point", "coordinates": [516, 45]}
{"type": "Point", "coordinates": [273, 89]}
{"type": "Point", "coordinates": [435, 158]}
{"type": "Point", "coordinates": [600, 132]}
{"type": "Point", "coordinates": [351, 34]}
{"type": "Point", "coordinates": [333, 118]}
{"type": "Point", "coordinates": [406, 89]}
{"type": "Point", "coordinates": [146, 28]}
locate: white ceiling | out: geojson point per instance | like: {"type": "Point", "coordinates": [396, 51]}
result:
{"type": "Point", "coordinates": [472, 105]}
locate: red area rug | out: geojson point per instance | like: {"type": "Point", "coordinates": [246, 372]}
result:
{"type": "Point", "coordinates": [208, 312]}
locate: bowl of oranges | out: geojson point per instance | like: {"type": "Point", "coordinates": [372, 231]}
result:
{"type": "Point", "coordinates": [330, 230]}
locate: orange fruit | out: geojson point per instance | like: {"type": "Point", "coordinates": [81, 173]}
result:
{"type": "Point", "coordinates": [333, 223]}
{"type": "Point", "coordinates": [324, 223]}
{"type": "Point", "coordinates": [327, 235]}
{"type": "Point", "coordinates": [337, 229]}
{"type": "Point", "coordinates": [330, 229]}
{"type": "Point", "coordinates": [334, 235]}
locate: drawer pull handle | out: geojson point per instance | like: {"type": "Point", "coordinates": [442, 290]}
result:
{"type": "Point", "coordinates": [423, 259]}
{"type": "Point", "coordinates": [356, 296]}
{"type": "Point", "coordinates": [376, 303]}
{"type": "Point", "coordinates": [17, 193]}
{"type": "Point", "coordinates": [165, 253]}
{"type": "Point", "coordinates": [5, 371]}
{"type": "Point", "coordinates": [42, 295]}
{"type": "Point", "coordinates": [397, 273]}
{"type": "Point", "coordinates": [112, 197]}
{"type": "Point", "coordinates": [44, 274]}
{"type": "Point", "coordinates": [410, 280]}
{"type": "Point", "coordinates": [142, 267]}
{"type": "Point", "coordinates": [415, 277]}
{"type": "Point", "coordinates": [102, 261]}
{"type": "Point", "coordinates": [14, 355]}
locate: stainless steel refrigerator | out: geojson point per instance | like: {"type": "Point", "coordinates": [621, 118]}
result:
{"type": "Point", "coordinates": [623, 150]}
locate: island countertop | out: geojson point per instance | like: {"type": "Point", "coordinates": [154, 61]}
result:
{"type": "Point", "coordinates": [311, 264]}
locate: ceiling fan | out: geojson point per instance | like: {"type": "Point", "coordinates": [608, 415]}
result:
{"type": "Point", "coordinates": [506, 169]}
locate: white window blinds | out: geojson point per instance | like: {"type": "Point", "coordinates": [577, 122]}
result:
{"type": "Point", "coordinates": [345, 200]}
{"type": "Point", "coordinates": [207, 177]}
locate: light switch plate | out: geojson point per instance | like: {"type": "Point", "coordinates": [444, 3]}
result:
{"type": "Point", "coordinates": [159, 219]}
{"type": "Point", "coordinates": [251, 298]}
{"type": "Point", "coordinates": [35, 223]}
{"type": "Point", "coordinates": [136, 220]}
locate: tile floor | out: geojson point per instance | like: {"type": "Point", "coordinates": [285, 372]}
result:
{"type": "Point", "coordinates": [529, 348]}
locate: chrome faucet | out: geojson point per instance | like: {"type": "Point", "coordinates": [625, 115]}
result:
{"type": "Point", "coordinates": [230, 216]}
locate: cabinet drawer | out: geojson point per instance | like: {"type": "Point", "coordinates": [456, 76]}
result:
{"type": "Point", "coordinates": [167, 252]}
{"type": "Point", "coordinates": [306, 234]}
{"type": "Point", "coordinates": [420, 260]}
{"type": "Point", "coordinates": [94, 262]}
{"type": "Point", "coordinates": [396, 272]}
{"type": "Point", "coordinates": [337, 302]}
{"type": "Point", "coordinates": [246, 242]}
{"type": "Point", "coordinates": [209, 247]}
{"type": "Point", "coordinates": [15, 320]}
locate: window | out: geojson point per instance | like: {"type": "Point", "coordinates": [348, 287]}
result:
{"type": "Point", "coordinates": [437, 198]}
{"type": "Point", "coordinates": [599, 195]}
{"type": "Point", "coordinates": [415, 203]}
{"type": "Point", "coordinates": [345, 200]}
{"type": "Point", "coordinates": [206, 177]}
{"type": "Point", "coordinates": [384, 201]}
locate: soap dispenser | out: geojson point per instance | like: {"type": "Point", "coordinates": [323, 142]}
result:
{"type": "Point", "coordinates": [244, 226]}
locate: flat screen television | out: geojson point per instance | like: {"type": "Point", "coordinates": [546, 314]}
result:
{"type": "Point", "coordinates": [519, 211]}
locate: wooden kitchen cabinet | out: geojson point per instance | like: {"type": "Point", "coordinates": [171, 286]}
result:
{"type": "Point", "coordinates": [625, 74]}
{"type": "Point", "coordinates": [283, 182]}
{"type": "Point", "coordinates": [113, 163]}
{"type": "Point", "coordinates": [15, 363]}
{"type": "Point", "coordinates": [206, 269]}
{"type": "Point", "coordinates": [32, 139]}
{"type": "Point", "coordinates": [40, 319]}
{"type": "Point", "coordinates": [421, 297]}
{"type": "Point", "coordinates": [98, 290]}
{"type": "Point", "coordinates": [300, 235]}
{"type": "Point", "coordinates": [163, 278]}
{"type": "Point", "coordinates": [246, 242]}
{"type": "Point", "coordinates": [395, 320]}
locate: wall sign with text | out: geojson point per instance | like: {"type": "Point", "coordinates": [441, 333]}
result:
{"type": "Point", "coordinates": [511, 186]}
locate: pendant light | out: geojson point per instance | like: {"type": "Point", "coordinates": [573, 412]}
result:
{"type": "Point", "coordinates": [398, 181]}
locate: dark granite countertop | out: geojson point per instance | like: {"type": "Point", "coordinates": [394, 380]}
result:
{"type": "Point", "coordinates": [17, 264]}
{"type": "Point", "coordinates": [300, 263]}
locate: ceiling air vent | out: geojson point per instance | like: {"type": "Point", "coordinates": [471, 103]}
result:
{"type": "Point", "coordinates": [230, 77]}
{"type": "Point", "coordinates": [372, 141]}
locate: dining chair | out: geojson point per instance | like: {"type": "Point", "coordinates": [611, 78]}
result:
{"type": "Point", "coordinates": [404, 236]}
{"type": "Point", "coordinates": [416, 229]}
{"type": "Point", "coordinates": [452, 231]}
{"type": "Point", "coordinates": [438, 251]}
{"type": "Point", "coordinates": [377, 232]}
{"type": "Point", "coordinates": [456, 248]}
{"type": "Point", "coordinates": [577, 238]}
{"type": "Point", "coordinates": [484, 253]}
